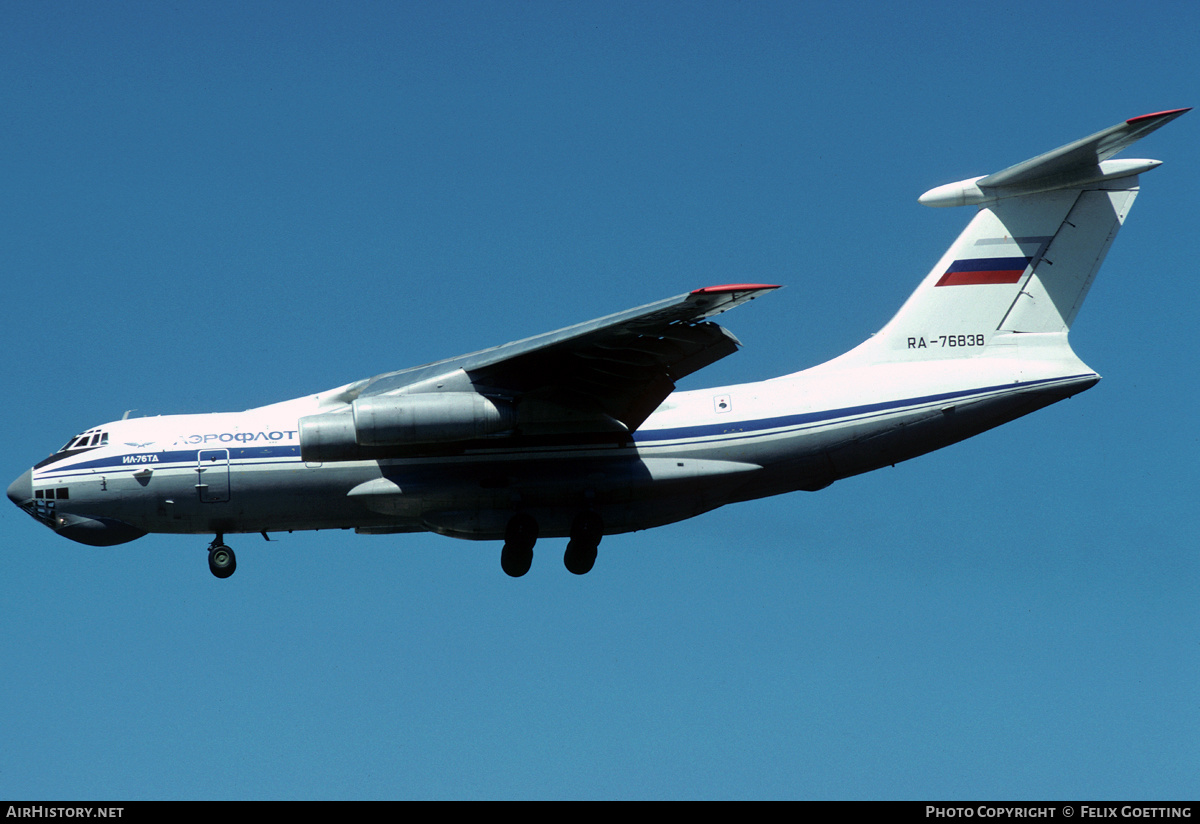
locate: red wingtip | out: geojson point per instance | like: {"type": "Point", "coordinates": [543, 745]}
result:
{"type": "Point", "coordinates": [1154, 115]}
{"type": "Point", "coordinates": [733, 287]}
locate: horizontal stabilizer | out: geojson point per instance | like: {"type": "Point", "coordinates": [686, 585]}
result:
{"type": "Point", "coordinates": [1080, 163]}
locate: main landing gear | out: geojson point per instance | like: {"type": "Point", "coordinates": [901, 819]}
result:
{"type": "Point", "coordinates": [221, 560]}
{"type": "Point", "coordinates": [522, 533]}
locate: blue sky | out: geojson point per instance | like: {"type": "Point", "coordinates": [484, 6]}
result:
{"type": "Point", "coordinates": [214, 206]}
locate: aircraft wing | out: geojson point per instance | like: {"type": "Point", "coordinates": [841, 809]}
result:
{"type": "Point", "coordinates": [605, 374]}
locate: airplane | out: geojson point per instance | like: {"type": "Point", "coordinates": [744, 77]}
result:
{"type": "Point", "coordinates": [579, 433]}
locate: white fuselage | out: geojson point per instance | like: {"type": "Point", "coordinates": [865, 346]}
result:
{"type": "Point", "coordinates": [243, 472]}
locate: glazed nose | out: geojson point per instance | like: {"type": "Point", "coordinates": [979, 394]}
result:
{"type": "Point", "coordinates": [21, 490]}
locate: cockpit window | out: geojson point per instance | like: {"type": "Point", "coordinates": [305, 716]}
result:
{"type": "Point", "coordinates": [93, 437]}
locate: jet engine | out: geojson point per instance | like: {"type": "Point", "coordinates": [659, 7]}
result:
{"type": "Point", "coordinates": [401, 420]}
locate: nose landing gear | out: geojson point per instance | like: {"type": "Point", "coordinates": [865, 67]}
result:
{"type": "Point", "coordinates": [221, 560]}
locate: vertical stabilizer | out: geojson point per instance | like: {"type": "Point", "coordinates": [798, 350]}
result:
{"type": "Point", "coordinates": [1025, 262]}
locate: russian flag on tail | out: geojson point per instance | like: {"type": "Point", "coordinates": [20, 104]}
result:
{"type": "Point", "coordinates": [976, 271]}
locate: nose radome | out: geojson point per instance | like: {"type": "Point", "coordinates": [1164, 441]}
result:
{"type": "Point", "coordinates": [21, 490]}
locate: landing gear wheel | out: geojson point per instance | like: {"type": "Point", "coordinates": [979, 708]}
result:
{"type": "Point", "coordinates": [579, 558]}
{"type": "Point", "coordinates": [519, 537]}
{"type": "Point", "coordinates": [515, 561]}
{"type": "Point", "coordinates": [221, 561]}
{"type": "Point", "coordinates": [586, 531]}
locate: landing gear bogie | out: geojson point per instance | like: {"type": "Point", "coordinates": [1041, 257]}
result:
{"type": "Point", "coordinates": [522, 533]}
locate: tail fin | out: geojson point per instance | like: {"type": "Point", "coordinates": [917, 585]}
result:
{"type": "Point", "coordinates": [1025, 262]}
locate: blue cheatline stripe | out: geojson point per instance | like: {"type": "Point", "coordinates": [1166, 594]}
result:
{"type": "Point", "coordinates": [726, 431]}
{"type": "Point", "coordinates": [149, 460]}
{"type": "Point", "coordinates": [747, 428]}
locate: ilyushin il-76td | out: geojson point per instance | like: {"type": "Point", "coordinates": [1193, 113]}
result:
{"type": "Point", "coordinates": [580, 433]}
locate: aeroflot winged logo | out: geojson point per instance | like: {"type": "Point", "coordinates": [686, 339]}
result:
{"type": "Point", "coordinates": [984, 270]}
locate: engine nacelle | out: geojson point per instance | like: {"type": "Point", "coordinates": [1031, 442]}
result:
{"type": "Point", "coordinates": [398, 420]}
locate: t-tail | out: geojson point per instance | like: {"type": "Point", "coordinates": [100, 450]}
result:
{"type": "Point", "coordinates": [983, 339]}
{"type": "Point", "coordinates": [1013, 281]}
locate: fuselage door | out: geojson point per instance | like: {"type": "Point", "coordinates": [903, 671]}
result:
{"type": "Point", "coordinates": [212, 471]}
